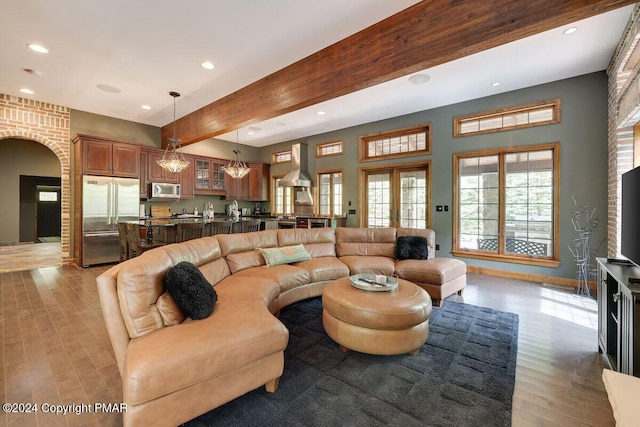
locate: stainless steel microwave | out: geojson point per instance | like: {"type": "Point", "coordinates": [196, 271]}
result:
{"type": "Point", "coordinates": [164, 190]}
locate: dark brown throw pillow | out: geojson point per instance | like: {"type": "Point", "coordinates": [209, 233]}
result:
{"type": "Point", "coordinates": [411, 247]}
{"type": "Point", "coordinates": [190, 290]}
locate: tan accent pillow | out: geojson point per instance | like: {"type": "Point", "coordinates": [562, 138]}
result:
{"type": "Point", "coordinates": [169, 310]}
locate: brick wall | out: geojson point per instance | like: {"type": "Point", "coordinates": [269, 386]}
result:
{"type": "Point", "coordinates": [47, 124]}
{"type": "Point", "coordinates": [624, 113]}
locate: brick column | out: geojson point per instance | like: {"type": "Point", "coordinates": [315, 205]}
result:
{"type": "Point", "coordinates": [624, 113]}
{"type": "Point", "coordinates": [47, 124]}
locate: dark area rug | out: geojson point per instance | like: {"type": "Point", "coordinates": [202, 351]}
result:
{"type": "Point", "coordinates": [463, 376]}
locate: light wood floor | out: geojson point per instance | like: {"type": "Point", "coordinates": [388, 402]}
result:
{"type": "Point", "coordinates": [29, 255]}
{"type": "Point", "coordinates": [55, 349]}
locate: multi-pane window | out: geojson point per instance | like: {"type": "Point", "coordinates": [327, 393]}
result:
{"type": "Point", "coordinates": [282, 203]}
{"type": "Point", "coordinates": [330, 193]}
{"type": "Point", "coordinates": [281, 157]}
{"type": "Point", "coordinates": [507, 202]}
{"type": "Point", "coordinates": [478, 200]}
{"type": "Point", "coordinates": [529, 207]}
{"type": "Point", "coordinates": [413, 199]}
{"type": "Point", "coordinates": [540, 113]}
{"type": "Point", "coordinates": [397, 196]}
{"type": "Point", "coordinates": [379, 200]}
{"type": "Point", "coordinates": [335, 148]}
{"type": "Point", "coordinates": [397, 143]}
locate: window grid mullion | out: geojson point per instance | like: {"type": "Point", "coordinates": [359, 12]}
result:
{"type": "Point", "coordinates": [528, 196]}
{"type": "Point", "coordinates": [502, 215]}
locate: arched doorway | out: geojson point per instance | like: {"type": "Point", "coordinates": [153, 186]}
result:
{"type": "Point", "coordinates": [64, 193]}
{"type": "Point", "coordinates": [48, 124]}
{"type": "Point", "coordinates": [25, 165]}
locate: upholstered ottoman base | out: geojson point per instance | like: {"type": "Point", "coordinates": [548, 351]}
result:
{"type": "Point", "coordinates": [376, 322]}
{"type": "Point", "coordinates": [440, 277]}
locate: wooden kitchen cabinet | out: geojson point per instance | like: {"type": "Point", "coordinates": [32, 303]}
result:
{"type": "Point", "coordinates": [238, 189]}
{"type": "Point", "coordinates": [209, 177]}
{"type": "Point", "coordinates": [259, 180]}
{"type": "Point", "coordinates": [144, 183]}
{"type": "Point", "coordinates": [110, 158]}
{"type": "Point", "coordinates": [254, 186]}
{"type": "Point", "coordinates": [187, 179]}
{"type": "Point", "coordinates": [152, 172]}
{"type": "Point", "coordinates": [155, 173]}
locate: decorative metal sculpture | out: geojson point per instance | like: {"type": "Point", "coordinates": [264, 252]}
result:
{"type": "Point", "coordinates": [584, 222]}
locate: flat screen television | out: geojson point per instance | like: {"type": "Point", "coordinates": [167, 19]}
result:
{"type": "Point", "coordinates": [630, 228]}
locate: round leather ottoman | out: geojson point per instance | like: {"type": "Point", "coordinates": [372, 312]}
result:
{"type": "Point", "coordinates": [384, 323]}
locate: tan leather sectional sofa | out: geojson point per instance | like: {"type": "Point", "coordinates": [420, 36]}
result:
{"type": "Point", "coordinates": [171, 374]}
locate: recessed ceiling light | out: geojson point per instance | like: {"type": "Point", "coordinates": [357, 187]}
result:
{"type": "Point", "coordinates": [38, 48]}
{"type": "Point", "coordinates": [250, 132]}
{"type": "Point", "coordinates": [418, 79]}
{"type": "Point", "coordinates": [145, 107]}
{"type": "Point", "coordinates": [108, 88]}
{"type": "Point", "coordinates": [495, 84]}
{"type": "Point", "coordinates": [208, 65]}
{"type": "Point", "coordinates": [570, 30]}
{"type": "Point", "coordinates": [27, 91]}
{"type": "Point", "coordinates": [321, 113]}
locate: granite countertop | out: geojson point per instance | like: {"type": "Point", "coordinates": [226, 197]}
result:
{"type": "Point", "coordinates": [167, 222]}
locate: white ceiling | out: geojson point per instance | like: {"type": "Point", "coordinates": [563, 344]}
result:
{"type": "Point", "coordinates": [146, 48]}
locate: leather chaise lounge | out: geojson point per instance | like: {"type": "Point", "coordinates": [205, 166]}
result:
{"type": "Point", "coordinates": [174, 370]}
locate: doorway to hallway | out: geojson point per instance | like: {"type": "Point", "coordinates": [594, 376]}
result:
{"type": "Point", "coordinates": [48, 211]}
{"type": "Point", "coordinates": [40, 209]}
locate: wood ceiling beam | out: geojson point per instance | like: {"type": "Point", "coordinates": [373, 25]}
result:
{"type": "Point", "coordinates": [427, 34]}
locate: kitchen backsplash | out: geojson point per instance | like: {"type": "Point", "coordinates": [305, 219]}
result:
{"type": "Point", "coordinates": [199, 201]}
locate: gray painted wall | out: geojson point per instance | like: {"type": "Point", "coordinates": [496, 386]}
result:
{"type": "Point", "coordinates": [223, 150]}
{"type": "Point", "coordinates": [119, 130]}
{"type": "Point", "coordinates": [20, 157]}
{"type": "Point", "coordinates": [582, 134]}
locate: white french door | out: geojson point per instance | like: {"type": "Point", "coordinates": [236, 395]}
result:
{"type": "Point", "coordinates": [396, 197]}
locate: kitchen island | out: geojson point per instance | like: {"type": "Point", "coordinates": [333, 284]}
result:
{"type": "Point", "coordinates": [163, 231]}
{"type": "Point", "coordinates": [159, 231]}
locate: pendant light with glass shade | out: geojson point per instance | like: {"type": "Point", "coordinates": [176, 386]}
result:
{"type": "Point", "coordinates": [174, 162]}
{"type": "Point", "coordinates": [236, 168]}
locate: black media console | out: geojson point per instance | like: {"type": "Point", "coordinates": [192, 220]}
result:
{"type": "Point", "coordinates": [619, 315]}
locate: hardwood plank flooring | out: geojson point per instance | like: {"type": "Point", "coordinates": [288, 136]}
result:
{"type": "Point", "coordinates": [29, 255]}
{"type": "Point", "coordinates": [55, 349]}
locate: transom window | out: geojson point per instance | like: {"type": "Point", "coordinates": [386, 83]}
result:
{"type": "Point", "coordinates": [507, 204]}
{"type": "Point", "coordinates": [329, 193]}
{"type": "Point", "coordinates": [281, 157]}
{"type": "Point", "coordinates": [521, 116]}
{"type": "Point", "coordinates": [396, 143]}
{"type": "Point", "coordinates": [282, 199]}
{"type": "Point", "coordinates": [335, 148]}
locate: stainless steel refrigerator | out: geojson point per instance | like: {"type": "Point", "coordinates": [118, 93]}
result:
{"type": "Point", "coordinates": [105, 202]}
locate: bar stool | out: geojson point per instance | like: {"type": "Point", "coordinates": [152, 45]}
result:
{"type": "Point", "coordinates": [220, 227]}
{"type": "Point", "coordinates": [250, 225]}
{"type": "Point", "coordinates": [189, 230]}
{"type": "Point", "coordinates": [124, 246]}
{"type": "Point", "coordinates": [137, 245]}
